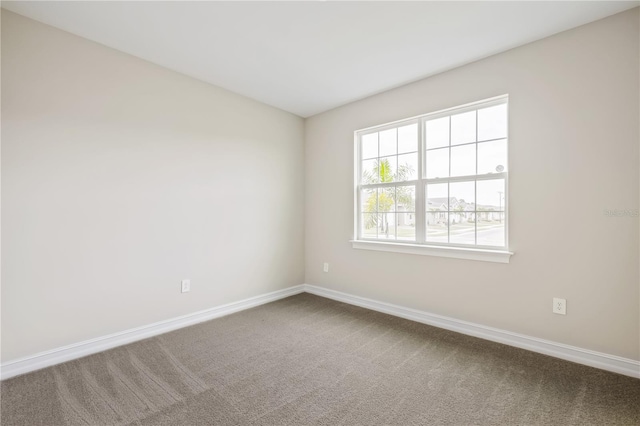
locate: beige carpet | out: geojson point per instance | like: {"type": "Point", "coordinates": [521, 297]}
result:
{"type": "Point", "coordinates": [309, 360]}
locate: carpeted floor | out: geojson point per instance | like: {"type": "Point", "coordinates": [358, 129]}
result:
{"type": "Point", "coordinates": [309, 360]}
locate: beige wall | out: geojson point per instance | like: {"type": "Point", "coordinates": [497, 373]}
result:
{"type": "Point", "coordinates": [574, 150]}
{"type": "Point", "coordinates": [120, 178]}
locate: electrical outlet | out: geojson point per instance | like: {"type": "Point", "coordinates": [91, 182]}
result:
{"type": "Point", "coordinates": [325, 268]}
{"type": "Point", "coordinates": [186, 286]}
{"type": "Point", "coordinates": [559, 306]}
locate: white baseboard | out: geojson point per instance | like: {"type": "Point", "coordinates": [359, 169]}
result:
{"type": "Point", "coordinates": [88, 347]}
{"type": "Point", "coordinates": [600, 360]}
{"type": "Point", "coordinates": [591, 358]}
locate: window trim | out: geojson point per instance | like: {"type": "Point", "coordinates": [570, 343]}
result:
{"type": "Point", "coordinates": [497, 256]}
{"type": "Point", "coordinates": [421, 246]}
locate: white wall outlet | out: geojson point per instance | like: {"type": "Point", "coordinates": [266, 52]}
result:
{"type": "Point", "coordinates": [559, 306]}
{"type": "Point", "coordinates": [186, 286]}
{"type": "Point", "coordinates": [325, 267]}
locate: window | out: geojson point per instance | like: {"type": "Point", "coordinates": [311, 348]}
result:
{"type": "Point", "coordinates": [438, 180]}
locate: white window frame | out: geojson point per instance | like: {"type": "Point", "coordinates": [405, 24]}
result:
{"type": "Point", "coordinates": [421, 246]}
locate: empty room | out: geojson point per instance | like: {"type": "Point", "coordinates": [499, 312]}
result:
{"type": "Point", "coordinates": [320, 213]}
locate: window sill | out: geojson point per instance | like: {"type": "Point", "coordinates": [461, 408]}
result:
{"type": "Point", "coordinates": [498, 256]}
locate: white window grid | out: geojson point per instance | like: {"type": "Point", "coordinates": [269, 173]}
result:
{"type": "Point", "coordinates": [420, 184]}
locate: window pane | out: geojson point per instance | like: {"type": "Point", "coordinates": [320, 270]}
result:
{"type": "Point", "coordinates": [462, 196]}
{"type": "Point", "coordinates": [492, 122]}
{"type": "Point", "coordinates": [463, 160]}
{"type": "Point", "coordinates": [490, 195]}
{"type": "Point", "coordinates": [370, 146]}
{"type": "Point", "coordinates": [491, 229]}
{"type": "Point", "coordinates": [438, 163]}
{"type": "Point", "coordinates": [462, 229]}
{"type": "Point", "coordinates": [437, 227]}
{"type": "Point", "coordinates": [387, 167]}
{"type": "Point", "coordinates": [407, 167]}
{"type": "Point", "coordinates": [369, 201]}
{"type": "Point", "coordinates": [438, 197]}
{"type": "Point", "coordinates": [461, 213]}
{"type": "Point", "coordinates": [369, 225]}
{"type": "Point", "coordinates": [391, 201]}
{"type": "Point", "coordinates": [387, 228]}
{"type": "Point", "coordinates": [438, 133]}
{"type": "Point", "coordinates": [388, 143]}
{"type": "Point", "coordinates": [408, 138]}
{"type": "Point", "coordinates": [369, 172]}
{"type": "Point", "coordinates": [492, 157]}
{"type": "Point", "coordinates": [406, 226]}
{"type": "Point", "coordinates": [386, 200]}
{"type": "Point", "coordinates": [463, 128]}
{"type": "Point", "coordinates": [405, 198]}
{"type": "Point", "coordinates": [405, 212]}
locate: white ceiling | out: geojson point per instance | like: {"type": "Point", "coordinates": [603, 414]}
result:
{"type": "Point", "coordinates": [308, 57]}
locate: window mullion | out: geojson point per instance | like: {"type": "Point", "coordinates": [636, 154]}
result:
{"type": "Point", "coordinates": [357, 187]}
{"type": "Point", "coordinates": [420, 195]}
{"type": "Point", "coordinates": [449, 190]}
{"type": "Point", "coordinates": [475, 191]}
